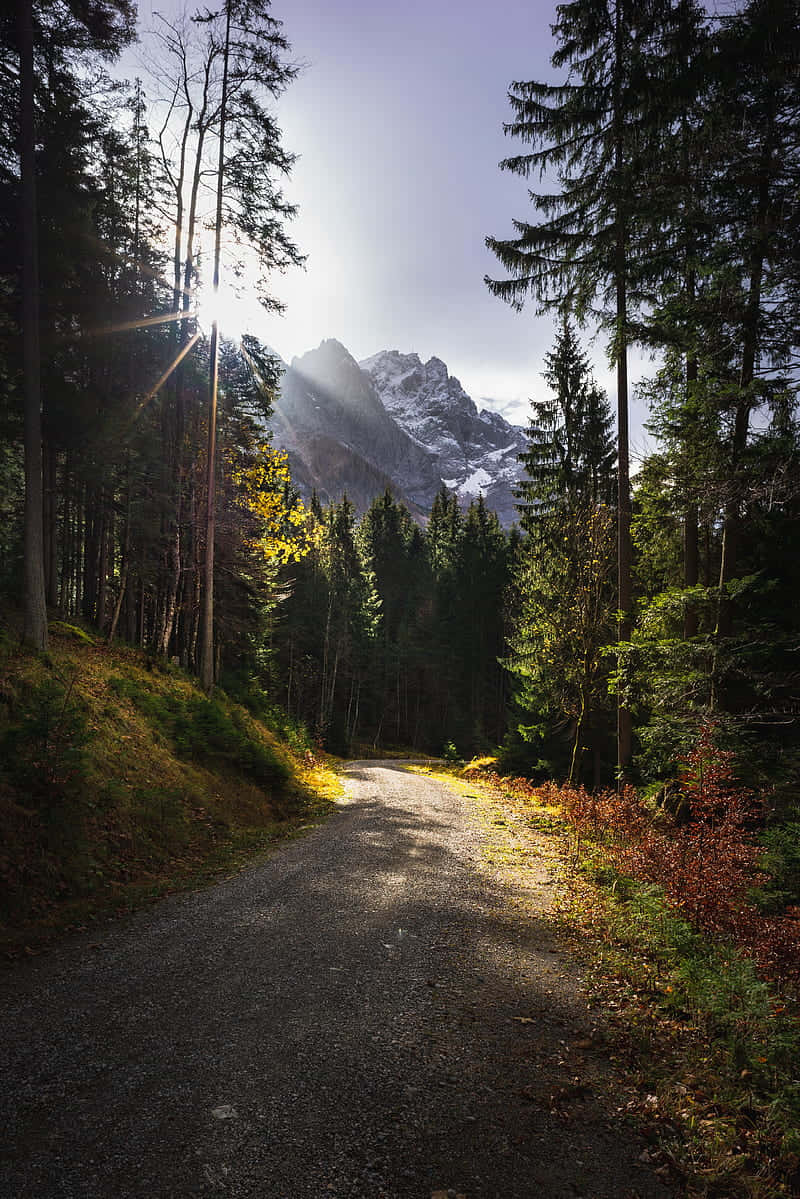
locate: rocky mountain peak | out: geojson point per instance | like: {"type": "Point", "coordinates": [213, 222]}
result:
{"type": "Point", "coordinates": [392, 420]}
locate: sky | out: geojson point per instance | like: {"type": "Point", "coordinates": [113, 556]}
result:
{"type": "Point", "coordinates": [396, 117]}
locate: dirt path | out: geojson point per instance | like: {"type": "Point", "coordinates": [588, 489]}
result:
{"type": "Point", "coordinates": [373, 1012]}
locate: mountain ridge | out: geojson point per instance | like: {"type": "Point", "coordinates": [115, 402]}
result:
{"type": "Point", "coordinates": [392, 421]}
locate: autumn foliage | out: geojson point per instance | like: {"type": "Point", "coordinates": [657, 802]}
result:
{"type": "Point", "coordinates": [698, 843]}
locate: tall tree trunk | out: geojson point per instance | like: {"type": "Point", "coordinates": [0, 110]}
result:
{"type": "Point", "coordinates": [52, 528]}
{"type": "Point", "coordinates": [624, 590]}
{"type": "Point", "coordinates": [105, 556]}
{"type": "Point", "coordinates": [126, 555]}
{"type": "Point", "coordinates": [691, 543]}
{"type": "Point", "coordinates": [91, 547]}
{"type": "Point", "coordinates": [691, 548]}
{"type": "Point", "coordinates": [741, 427]}
{"type": "Point", "coordinates": [173, 581]}
{"type": "Point", "coordinates": [34, 628]}
{"type": "Point", "coordinates": [80, 536]}
{"type": "Point", "coordinates": [624, 594]}
{"type": "Point", "coordinates": [207, 662]}
{"type": "Point", "coordinates": [66, 540]}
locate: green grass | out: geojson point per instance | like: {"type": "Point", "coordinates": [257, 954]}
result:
{"type": "Point", "coordinates": [206, 730]}
{"type": "Point", "coordinates": [700, 1029]}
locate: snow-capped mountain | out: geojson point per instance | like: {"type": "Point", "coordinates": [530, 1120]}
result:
{"type": "Point", "coordinates": [476, 452]}
{"type": "Point", "coordinates": [392, 421]}
{"type": "Point", "coordinates": [339, 436]}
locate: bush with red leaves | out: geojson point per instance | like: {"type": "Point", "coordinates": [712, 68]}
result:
{"type": "Point", "coordinates": [703, 853]}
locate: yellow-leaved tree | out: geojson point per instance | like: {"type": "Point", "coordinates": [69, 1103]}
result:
{"type": "Point", "coordinates": [278, 524]}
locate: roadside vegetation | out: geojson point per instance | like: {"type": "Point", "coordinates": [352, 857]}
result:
{"type": "Point", "coordinates": [121, 780]}
{"type": "Point", "coordinates": [688, 923]}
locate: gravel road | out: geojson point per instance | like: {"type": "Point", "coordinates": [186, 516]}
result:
{"type": "Point", "coordinates": [365, 1014]}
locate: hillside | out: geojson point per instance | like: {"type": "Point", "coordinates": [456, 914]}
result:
{"type": "Point", "coordinates": [120, 780]}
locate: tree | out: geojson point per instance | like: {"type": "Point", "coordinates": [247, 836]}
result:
{"type": "Point", "coordinates": [563, 601]}
{"type": "Point", "coordinates": [571, 451]}
{"type": "Point", "coordinates": [101, 27]}
{"type": "Point", "coordinates": [241, 68]}
{"type": "Point", "coordinates": [477, 630]}
{"type": "Point", "coordinates": [387, 540]}
{"type": "Point", "coordinates": [35, 619]}
{"type": "Point", "coordinates": [557, 659]}
{"type": "Point", "coordinates": [757, 198]}
{"type": "Point", "coordinates": [593, 130]}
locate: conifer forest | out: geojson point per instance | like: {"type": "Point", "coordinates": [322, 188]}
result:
{"type": "Point", "coordinates": [631, 608]}
{"type": "Point", "coordinates": [192, 639]}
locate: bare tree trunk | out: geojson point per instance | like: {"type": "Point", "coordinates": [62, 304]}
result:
{"type": "Point", "coordinates": [691, 548]}
{"type": "Point", "coordinates": [691, 573]}
{"type": "Point", "coordinates": [741, 427]}
{"type": "Point", "coordinates": [51, 530]}
{"type": "Point", "coordinates": [105, 556]}
{"type": "Point", "coordinates": [207, 662]}
{"type": "Point", "coordinates": [126, 554]}
{"type": "Point", "coordinates": [66, 537]}
{"type": "Point", "coordinates": [34, 628]}
{"type": "Point", "coordinates": [173, 581]}
{"type": "Point", "coordinates": [624, 594]}
{"type": "Point", "coordinates": [123, 581]}
{"type": "Point", "coordinates": [142, 625]}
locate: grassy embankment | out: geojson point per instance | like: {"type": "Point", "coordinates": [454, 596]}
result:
{"type": "Point", "coordinates": [121, 781]}
{"type": "Point", "coordinates": [705, 1044]}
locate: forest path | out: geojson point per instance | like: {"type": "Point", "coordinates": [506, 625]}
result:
{"type": "Point", "coordinates": [372, 1012]}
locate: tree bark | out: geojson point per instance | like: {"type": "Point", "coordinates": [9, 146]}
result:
{"type": "Point", "coordinates": [207, 660]}
{"type": "Point", "coordinates": [741, 427]}
{"type": "Point", "coordinates": [624, 596]}
{"type": "Point", "coordinates": [34, 628]}
{"type": "Point", "coordinates": [691, 545]}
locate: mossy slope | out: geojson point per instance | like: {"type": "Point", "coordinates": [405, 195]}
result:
{"type": "Point", "coordinates": [120, 780]}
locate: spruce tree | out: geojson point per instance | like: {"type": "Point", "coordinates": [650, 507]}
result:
{"type": "Point", "coordinates": [101, 28]}
{"type": "Point", "coordinates": [583, 253]}
{"type": "Point", "coordinates": [570, 455]}
{"type": "Point", "coordinates": [563, 600]}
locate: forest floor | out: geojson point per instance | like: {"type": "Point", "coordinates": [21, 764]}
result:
{"type": "Point", "coordinates": [387, 1007]}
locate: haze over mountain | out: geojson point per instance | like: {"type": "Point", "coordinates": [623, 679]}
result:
{"type": "Point", "coordinates": [392, 421]}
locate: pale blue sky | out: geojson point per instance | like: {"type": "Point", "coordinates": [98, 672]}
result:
{"type": "Point", "coordinates": [397, 118]}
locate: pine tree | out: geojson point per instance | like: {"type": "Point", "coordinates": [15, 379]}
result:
{"type": "Point", "coordinates": [481, 579]}
{"type": "Point", "coordinates": [103, 28]}
{"type": "Point", "coordinates": [563, 601]}
{"type": "Point", "coordinates": [594, 131]}
{"type": "Point", "coordinates": [570, 455]}
{"type": "Point", "coordinates": [560, 718]}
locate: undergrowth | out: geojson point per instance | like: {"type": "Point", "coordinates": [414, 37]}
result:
{"type": "Point", "coordinates": [120, 780]}
{"type": "Point", "coordinates": [686, 916]}
{"type": "Point", "coordinates": [206, 730]}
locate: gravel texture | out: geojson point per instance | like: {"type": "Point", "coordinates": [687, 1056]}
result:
{"type": "Point", "coordinates": [366, 1014]}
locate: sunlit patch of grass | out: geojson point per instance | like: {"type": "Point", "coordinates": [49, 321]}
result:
{"type": "Point", "coordinates": [487, 763]}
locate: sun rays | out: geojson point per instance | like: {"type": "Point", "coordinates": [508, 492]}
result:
{"type": "Point", "coordinates": [177, 360]}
